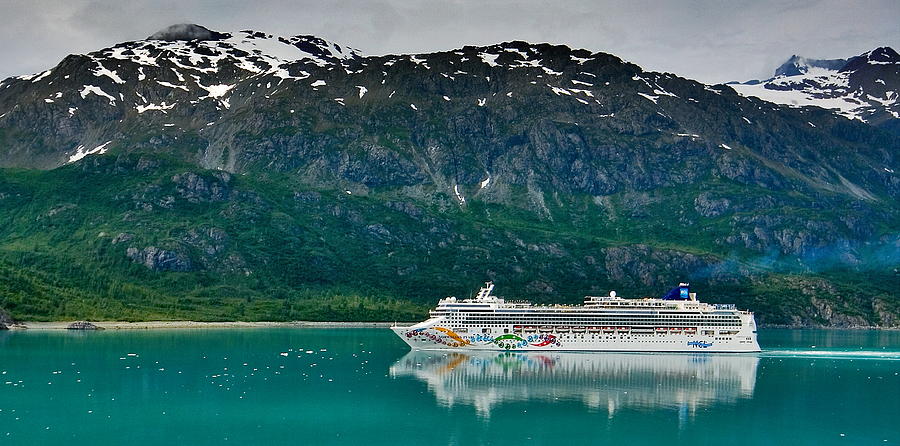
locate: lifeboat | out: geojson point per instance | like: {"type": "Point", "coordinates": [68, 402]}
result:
{"type": "Point", "coordinates": [609, 329]}
{"type": "Point", "coordinates": [562, 329]}
{"type": "Point", "coordinates": [594, 329]}
{"type": "Point", "coordinates": [545, 329]}
{"type": "Point", "coordinates": [530, 329]}
{"type": "Point", "coordinates": [578, 329]}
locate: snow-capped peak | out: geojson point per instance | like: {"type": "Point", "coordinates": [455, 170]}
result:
{"type": "Point", "coordinates": [884, 54]}
{"type": "Point", "coordinates": [864, 87]}
{"type": "Point", "coordinates": [187, 31]}
{"type": "Point", "coordinates": [798, 65]}
{"type": "Point", "coordinates": [194, 47]}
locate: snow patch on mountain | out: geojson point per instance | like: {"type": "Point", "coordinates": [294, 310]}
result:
{"type": "Point", "coordinates": [80, 152]}
{"type": "Point", "coordinates": [90, 89]}
{"type": "Point", "coordinates": [854, 88]}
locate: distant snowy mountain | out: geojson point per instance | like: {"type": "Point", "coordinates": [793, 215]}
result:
{"type": "Point", "coordinates": [865, 87]}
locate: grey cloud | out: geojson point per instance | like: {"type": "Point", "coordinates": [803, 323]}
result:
{"type": "Point", "coordinates": [708, 40]}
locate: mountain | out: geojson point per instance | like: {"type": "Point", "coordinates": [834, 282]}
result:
{"type": "Point", "coordinates": [210, 175]}
{"type": "Point", "coordinates": [865, 87]}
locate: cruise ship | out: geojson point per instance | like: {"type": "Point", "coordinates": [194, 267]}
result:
{"type": "Point", "coordinates": [677, 322]}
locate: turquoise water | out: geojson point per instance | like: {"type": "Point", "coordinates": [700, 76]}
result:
{"type": "Point", "coordinates": [363, 386]}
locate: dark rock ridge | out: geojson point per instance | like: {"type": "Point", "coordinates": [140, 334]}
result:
{"type": "Point", "coordinates": [797, 65]}
{"type": "Point", "coordinates": [159, 259]}
{"type": "Point", "coordinates": [82, 325]}
{"type": "Point", "coordinates": [187, 31]}
{"type": "Point", "coordinates": [5, 319]}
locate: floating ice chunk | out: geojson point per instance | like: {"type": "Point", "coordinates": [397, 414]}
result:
{"type": "Point", "coordinates": [413, 106]}
{"type": "Point", "coordinates": [318, 83]}
{"type": "Point", "coordinates": [577, 82]}
{"type": "Point", "coordinates": [486, 181]}
{"type": "Point", "coordinates": [482, 101]}
{"type": "Point", "coordinates": [746, 120]}
{"type": "Point", "coordinates": [725, 146]}
{"type": "Point", "coordinates": [283, 353]}
{"type": "Point", "coordinates": [446, 99]}
{"type": "Point", "coordinates": [362, 91]}
{"type": "Point", "coordinates": [561, 91]}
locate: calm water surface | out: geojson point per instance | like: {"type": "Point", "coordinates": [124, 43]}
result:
{"type": "Point", "coordinates": [363, 386]}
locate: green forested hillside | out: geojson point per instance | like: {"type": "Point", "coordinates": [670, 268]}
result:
{"type": "Point", "coordinates": [129, 238]}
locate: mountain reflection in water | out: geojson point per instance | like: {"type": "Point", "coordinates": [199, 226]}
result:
{"type": "Point", "coordinates": [682, 382]}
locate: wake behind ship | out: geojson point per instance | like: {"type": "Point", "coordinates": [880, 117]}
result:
{"type": "Point", "coordinates": [677, 322]}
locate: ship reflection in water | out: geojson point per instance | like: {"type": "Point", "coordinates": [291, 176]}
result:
{"type": "Point", "coordinates": [609, 381]}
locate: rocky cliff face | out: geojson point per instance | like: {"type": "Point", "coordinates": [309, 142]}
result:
{"type": "Point", "coordinates": [298, 161]}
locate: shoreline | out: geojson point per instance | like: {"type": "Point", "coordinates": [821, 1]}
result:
{"type": "Point", "coordinates": [156, 325]}
{"type": "Point", "coordinates": [162, 325]}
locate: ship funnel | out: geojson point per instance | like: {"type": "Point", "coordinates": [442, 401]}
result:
{"type": "Point", "coordinates": [682, 292]}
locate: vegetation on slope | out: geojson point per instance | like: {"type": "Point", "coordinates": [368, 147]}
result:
{"type": "Point", "coordinates": [139, 237]}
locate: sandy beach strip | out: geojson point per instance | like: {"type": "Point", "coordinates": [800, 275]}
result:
{"type": "Point", "coordinates": [154, 325]}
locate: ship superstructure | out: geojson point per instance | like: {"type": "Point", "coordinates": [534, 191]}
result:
{"type": "Point", "coordinates": [677, 322]}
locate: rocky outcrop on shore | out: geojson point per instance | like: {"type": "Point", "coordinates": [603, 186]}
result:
{"type": "Point", "coordinates": [82, 325]}
{"type": "Point", "coordinates": [5, 320]}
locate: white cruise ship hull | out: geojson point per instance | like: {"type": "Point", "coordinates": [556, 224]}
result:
{"type": "Point", "coordinates": [422, 338]}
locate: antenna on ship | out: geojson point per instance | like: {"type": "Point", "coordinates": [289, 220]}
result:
{"type": "Point", "coordinates": [485, 291]}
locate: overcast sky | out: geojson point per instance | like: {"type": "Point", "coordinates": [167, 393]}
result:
{"type": "Point", "coordinates": [707, 40]}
